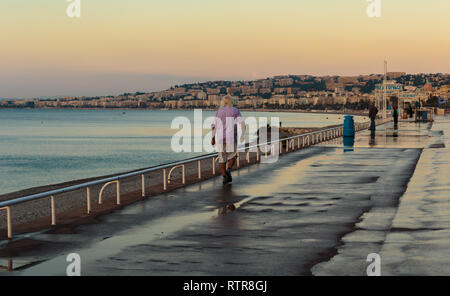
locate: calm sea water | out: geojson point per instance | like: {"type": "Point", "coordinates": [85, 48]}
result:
{"type": "Point", "coordinates": [41, 147]}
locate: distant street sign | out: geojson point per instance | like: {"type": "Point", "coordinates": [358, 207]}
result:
{"type": "Point", "coordinates": [407, 95]}
{"type": "Point", "coordinates": [390, 87]}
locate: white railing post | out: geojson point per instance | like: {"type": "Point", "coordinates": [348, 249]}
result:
{"type": "Point", "coordinates": [143, 184]}
{"type": "Point", "coordinates": [88, 199]}
{"type": "Point", "coordinates": [214, 165]}
{"type": "Point", "coordinates": [184, 176]}
{"type": "Point", "coordinates": [8, 222]}
{"type": "Point", "coordinates": [100, 194]}
{"type": "Point", "coordinates": [52, 203]}
{"type": "Point", "coordinates": [165, 179]}
{"type": "Point", "coordinates": [199, 170]}
{"type": "Point", "coordinates": [183, 173]}
{"type": "Point", "coordinates": [118, 191]}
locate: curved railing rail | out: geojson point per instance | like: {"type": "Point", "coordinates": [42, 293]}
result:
{"type": "Point", "coordinates": [303, 140]}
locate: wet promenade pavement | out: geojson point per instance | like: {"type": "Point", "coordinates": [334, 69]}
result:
{"type": "Point", "coordinates": [412, 238]}
{"type": "Point", "coordinates": [419, 241]}
{"type": "Point", "coordinates": [318, 211]}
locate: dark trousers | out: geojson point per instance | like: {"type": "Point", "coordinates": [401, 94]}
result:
{"type": "Point", "coordinates": [372, 124]}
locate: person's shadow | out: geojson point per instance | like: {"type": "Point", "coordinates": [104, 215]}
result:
{"type": "Point", "coordinates": [226, 199]}
{"type": "Point", "coordinates": [228, 221]}
{"type": "Point", "coordinates": [395, 134]}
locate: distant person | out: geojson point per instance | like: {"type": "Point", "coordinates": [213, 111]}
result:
{"type": "Point", "coordinates": [266, 131]}
{"type": "Point", "coordinates": [395, 114]}
{"type": "Point", "coordinates": [410, 111]}
{"type": "Point", "coordinates": [225, 127]}
{"type": "Point", "coordinates": [373, 111]}
{"type": "Point", "coordinates": [416, 109]}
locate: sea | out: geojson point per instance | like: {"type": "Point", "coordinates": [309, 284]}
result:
{"type": "Point", "coordinates": [48, 146]}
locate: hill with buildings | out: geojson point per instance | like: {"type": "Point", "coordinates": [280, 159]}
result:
{"type": "Point", "coordinates": [279, 92]}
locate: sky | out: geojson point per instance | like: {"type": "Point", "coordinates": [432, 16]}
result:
{"type": "Point", "coordinates": [121, 46]}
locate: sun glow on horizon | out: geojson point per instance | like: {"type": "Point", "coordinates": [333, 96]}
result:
{"type": "Point", "coordinates": [216, 39]}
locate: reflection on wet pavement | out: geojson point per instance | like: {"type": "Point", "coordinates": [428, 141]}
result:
{"type": "Point", "coordinates": [404, 135]}
{"type": "Point", "coordinates": [418, 243]}
{"type": "Point", "coordinates": [316, 211]}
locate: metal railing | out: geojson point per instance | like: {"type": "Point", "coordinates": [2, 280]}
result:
{"type": "Point", "coordinates": [303, 140]}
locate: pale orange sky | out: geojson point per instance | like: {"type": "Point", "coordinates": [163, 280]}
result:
{"type": "Point", "coordinates": [120, 46]}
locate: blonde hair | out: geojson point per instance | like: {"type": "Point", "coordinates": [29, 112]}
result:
{"type": "Point", "coordinates": [227, 101]}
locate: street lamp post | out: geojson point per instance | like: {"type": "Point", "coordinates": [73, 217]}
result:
{"type": "Point", "coordinates": [384, 91]}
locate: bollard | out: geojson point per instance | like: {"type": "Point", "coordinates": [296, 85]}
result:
{"type": "Point", "coordinates": [348, 133]}
{"type": "Point", "coordinates": [349, 126]}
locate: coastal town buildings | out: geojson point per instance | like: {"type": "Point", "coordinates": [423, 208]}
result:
{"type": "Point", "coordinates": [279, 92]}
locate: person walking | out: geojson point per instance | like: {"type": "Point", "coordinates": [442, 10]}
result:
{"type": "Point", "coordinates": [373, 111]}
{"type": "Point", "coordinates": [395, 115]}
{"type": "Point", "coordinates": [224, 135]}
